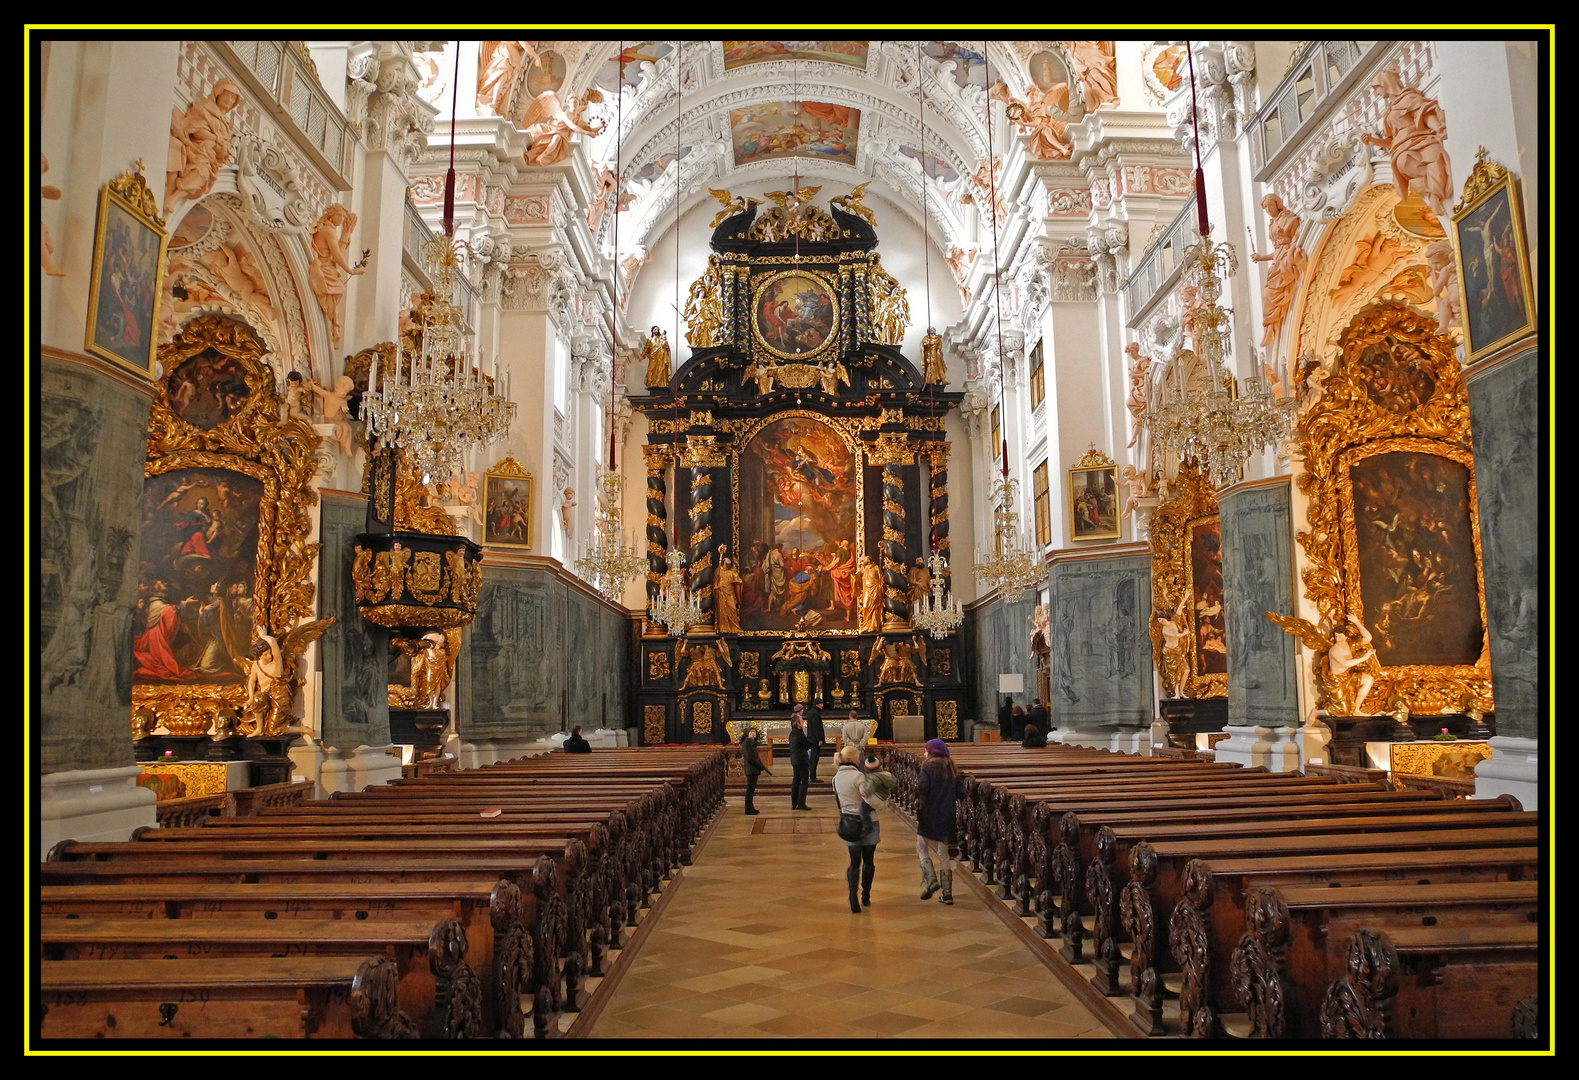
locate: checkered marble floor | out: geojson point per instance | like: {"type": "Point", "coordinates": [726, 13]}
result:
{"type": "Point", "coordinates": [758, 942]}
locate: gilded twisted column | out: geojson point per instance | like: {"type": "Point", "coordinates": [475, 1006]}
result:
{"type": "Point", "coordinates": [657, 538]}
{"type": "Point", "coordinates": [937, 497]}
{"type": "Point", "coordinates": [702, 457]}
{"type": "Point", "coordinates": [896, 593]}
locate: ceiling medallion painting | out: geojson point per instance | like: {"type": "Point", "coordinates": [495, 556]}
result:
{"type": "Point", "coordinates": [781, 129]}
{"type": "Point", "coordinates": [738, 54]}
{"type": "Point", "coordinates": [795, 313]}
{"type": "Point", "coordinates": [1394, 537]}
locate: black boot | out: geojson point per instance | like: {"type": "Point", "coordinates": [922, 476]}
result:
{"type": "Point", "coordinates": [867, 872]}
{"type": "Point", "coordinates": [850, 875]}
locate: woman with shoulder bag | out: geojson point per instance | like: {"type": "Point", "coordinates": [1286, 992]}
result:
{"type": "Point", "coordinates": [857, 827]}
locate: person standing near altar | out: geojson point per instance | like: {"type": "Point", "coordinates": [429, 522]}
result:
{"type": "Point", "coordinates": [815, 738]}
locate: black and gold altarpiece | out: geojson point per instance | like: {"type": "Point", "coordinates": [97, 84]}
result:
{"type": "Point", "coordinates": [798, 459]}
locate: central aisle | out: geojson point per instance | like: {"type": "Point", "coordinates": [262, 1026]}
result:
{"type": "Point", "coordinates": [758, 942]}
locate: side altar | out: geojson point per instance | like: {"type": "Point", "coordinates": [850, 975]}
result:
{"type": "Point", "coordinates": [798, 459]}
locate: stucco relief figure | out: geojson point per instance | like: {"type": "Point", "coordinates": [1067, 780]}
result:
{"type": "Point", "coordinates": [47, 245]}
{"type": "Point", "coordinates": [1041, 631]}
{"type": "Point", "coordinates": [871, 602]}
{"type": "Point", "coordinates": [1311, 377]}
{"type": "Point", "coordinates": [1039, 119]}
{"type": "Point", "coordinates": [726, 598]}
{"type": "Point", "coordinates": [933, 371]}
{"type": "Point", "coordinates": [988, 198]}
{"type": "Point", "coordinates": [1444, 283]}
{"type": "Point", "coordinates": [330, 267]}
{"type": "Point", "coordinates": [1096, 69]}
{"type": "Point", "coordinates": [333, 403]}
{"type": "Point", "coordinates": [235, 265]}
{"type": "Point", "coordinates": [1175, 666]}
{"type": "Point", "coordinates": [567, 504]}
{"type": "Point", "coordinates": [1139, 375]}
{"type": "Point", "coordinates": [498, 63]}
{"type": "Point", "coordinates": [1346, 663]}
{"type": "Point", "coordinates": [553, 125]}
{"type": "Point", "coordinates": [462, 491]}
{"type": "Point", "coordinates": [1414, 133]}
{"type": "Point", "coordinates": [1372, 256]}
{"type": "Point", "coordinates": [704, 669]}
{"type": "Point", "coordinates": [959, 261]}
{"type": "Point", "coordinates": [291, 400]}
{"type": "Point", "coordinates": [899, 660]}
{"type": "Point", "coordinates": [655, 350]}
{"type": "Point", "coordinates": [1288, 264]}
{"type": "Point", "coordinates": [603, 185]}
{"type": "Point", "coordinates": [199, 143]}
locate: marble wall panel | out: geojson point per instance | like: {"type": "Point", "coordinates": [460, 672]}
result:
{"type": "Point", "coordinates": [92, 445]}
{"type": "Point", "coordinates": [1505, 420]}
{"type": "Point", "coordinates": [1000, 644]}
{"type": "Point", "coordinates": [1101, 663]}
{"type": "Point", "coordinates": [1258, 576]}
{"type": "Point", "coordinates": [354, 653]}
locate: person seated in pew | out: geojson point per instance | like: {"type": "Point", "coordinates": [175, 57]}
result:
{"type": "Point", "coordinates": [576, 744]}
{"type": "Point", "coordinates": [1033, 737]}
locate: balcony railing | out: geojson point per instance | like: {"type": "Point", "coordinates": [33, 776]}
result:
{"type": "Point", "coordinates": [287, 76]}
{"type": "Point", "coordinates": [1159, 265]}
{"type": "Point", "coordinates": [1319, 70]}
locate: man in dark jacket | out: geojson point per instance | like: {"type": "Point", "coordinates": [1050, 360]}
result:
{"type": "Point", "coordinates": [1037, 716]}
{"type": "Point", "coordinates": [752, 764]}
{"type": "Point", "coordinates": [576, 744]}
{"type": "Point", "coordinates": [800, 751]}
{"type": "Point", "coordinates": [815, 737]}
{"type": "Point", "coordinates": [1006, 719]}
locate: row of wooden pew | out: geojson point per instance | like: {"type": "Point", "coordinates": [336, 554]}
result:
{"type": "Point", "coordinates": [1266, 905]}
{"type": "Point", "coordinates": [463, 904]}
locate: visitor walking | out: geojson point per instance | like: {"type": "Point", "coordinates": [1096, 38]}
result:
{"type": "Point", "coordinates": [857, 828]}
{"type": "Point", "coordinates": [938, 786]}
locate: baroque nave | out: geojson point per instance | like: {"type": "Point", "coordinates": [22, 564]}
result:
{"type": "Point", "coordinates": [398, 407]}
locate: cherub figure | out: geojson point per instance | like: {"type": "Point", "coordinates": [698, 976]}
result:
{"type": "Point", "coordinates": [1139, 487]}
{"type": "Point", "coordinates": [739, 204]}
{"type": "Point", "coordinates": [333, 403]}
{"type": "Point", "coordinates": [1444, 283]}
{"type": "Point", "coordinates": [291, 399]}
{"type": "Point", "coordinates": [566, 505]}
{"type": "Point", "coordinates": [762, 372]}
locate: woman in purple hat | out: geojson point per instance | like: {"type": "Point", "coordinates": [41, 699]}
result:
{"type": "Point", "coordinates": [937, 788]}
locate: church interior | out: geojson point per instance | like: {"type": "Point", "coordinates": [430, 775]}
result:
{"type": "Point", "coordinates": [458, 466]}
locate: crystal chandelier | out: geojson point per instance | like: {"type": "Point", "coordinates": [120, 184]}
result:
{"type": "Point", "coordinates": [435, 404]}
{"type": "Point", "coordinates": [610, 558]}
{"type": "Point", "coordinates": [1203, 414]}
{"type": "Point", "coordinates": [1013, 566]}
{"type": "Point", "coordinates": [942, 614]}
{"type": "Point", "coordinates": [674, 606]}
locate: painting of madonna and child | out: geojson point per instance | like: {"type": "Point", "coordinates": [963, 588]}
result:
{"type": "Point", "coordinates": [194, 592]}
{"type": "Point", "coordinates": [797, 529]}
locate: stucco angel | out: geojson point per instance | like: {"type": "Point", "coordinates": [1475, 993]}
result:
{"type": "Point", "coordinates": [1346, 663]}
{"type": "Point", "coordinates": [762, 372]}
{"type": "Point", "coordinates": [1039, 118]}
{"type": "Point", "coordinates": [553, 124]}
{"type": "Point", "coordinates": [272, 678]}
{"type": "Point", "coordinates": [1174, 661]}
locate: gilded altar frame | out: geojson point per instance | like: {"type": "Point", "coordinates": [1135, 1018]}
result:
{"type": "Point", "coordinates": [761, 283]}
{"type": "Point", "coordinates": [254, 442]}
{"type": "Point", "coordinates": [1172, 529]}
{"type": "Point", "coordinates": [1353, 421]}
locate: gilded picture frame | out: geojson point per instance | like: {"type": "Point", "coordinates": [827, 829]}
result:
{"type": "Point", "coordinates": [1493, 263]}
{"type": "Point", "coordinates": [784, 320]}
{"type": "Point", "coordinates": [507, 499]}
{"type": "Point", "coordinates": [129, 245]}
{"type": "Point", "coordinates": [1093, 498]}
{"type": "Point", "coordinates": [1186, 571]}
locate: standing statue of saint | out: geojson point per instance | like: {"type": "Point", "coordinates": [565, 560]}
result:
{"type": "Point", "coordinates": [655, 350]}
{"type": "Point", "coordinates": [932, 370]}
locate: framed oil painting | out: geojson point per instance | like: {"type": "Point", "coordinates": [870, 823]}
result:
{"type": "Point", "coordinates": [1093, 498]}
{"type": "Point", "coordinates": [1205, 584]}
{"type": "Point", "coordinates": [797, 527]}
{"type": "Point", "coordinates": [1493, 269]}
{"type": "Point", "coordinates": [128, 258]}
{"type": "Point", "coordinates": [507, 505]}
{"type": "Point", "coordinates": [795, 314]}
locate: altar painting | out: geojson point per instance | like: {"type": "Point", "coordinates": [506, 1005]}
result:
{"type": "Point", "coordinates": [795, 314]}
{"type": "Point", "coordinates": [797, 514]}
{"type": "Point", "coordinates": [195, 603]}
{"type": "Point", "coordinates": [208, 389]}
{"type": "Point", "coordinates": [1413, 536]}
{"type": "Point", "coordinates": [1206, 589]}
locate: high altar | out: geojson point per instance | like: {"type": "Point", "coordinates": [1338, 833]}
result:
{"type": "Point", "coordinates": [798, 459]}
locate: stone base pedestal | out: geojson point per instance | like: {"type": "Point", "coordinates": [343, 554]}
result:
{"type": "Point", "coordinates": [474, 755]}
{"type": "Point", "coordinates": [92, 805]}
{"type": "Point", "coordinates": [1514, 769]}
{"type": "Point", "coordinates": [1130, 740]}
{"type": "Point", "coordinates": [354, 770]}
{"type": "Point", "coordinates": [1248, 745]}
